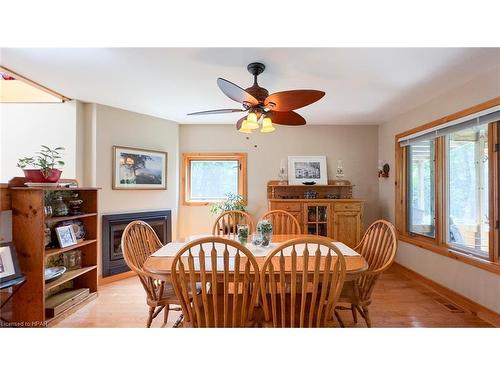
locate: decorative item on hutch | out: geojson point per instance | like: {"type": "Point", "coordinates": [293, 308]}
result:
{"type": "Point", "coordinates": [340, 170]}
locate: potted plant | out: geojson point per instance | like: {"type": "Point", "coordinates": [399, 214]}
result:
{"type": "Point", "coordinates": [45, 163]}
{"type": "Point", "coordinates": [265, 231]}
{"type": "Point", "coordinates": [233, 202]}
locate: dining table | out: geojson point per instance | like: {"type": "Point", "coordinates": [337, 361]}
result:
{"type": "Point", "coordinates": [159, 263]}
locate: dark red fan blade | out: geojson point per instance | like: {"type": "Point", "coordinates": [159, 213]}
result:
{"type": "Point", "coordinates": [286, 118]}
{"type": "Point", "coordinates": [285, 101]}
{"type": "Point", "coordinates": [216, 111]}
{"type": "Point", "coordinates": [235, 92]}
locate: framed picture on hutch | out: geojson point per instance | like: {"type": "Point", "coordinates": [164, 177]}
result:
{"type": "Point", "coordinates": [307, 169]}
{"type": "Point", "coordinates": [139, 169]}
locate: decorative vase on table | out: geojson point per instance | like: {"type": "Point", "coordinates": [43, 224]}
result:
{"type": "Point", "coordinates": [265, 231]}
{"type": "Point", "coordinates": [243, 233]}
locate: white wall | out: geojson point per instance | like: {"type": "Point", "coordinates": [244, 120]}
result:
{"type": "Point", "coordinates": [24, 127]}
{"type": "Point", "coordinates": [472, 282]}
{"type": "Point", "coordinates": [355, 145]}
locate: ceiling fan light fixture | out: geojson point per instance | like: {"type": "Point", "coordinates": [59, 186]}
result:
{"type": "Point", "coordinates": [245, 127]}
{"type": "Point", "coordinates": [267, 126]}
{"type": "Point", "coordinates": [252, 121]}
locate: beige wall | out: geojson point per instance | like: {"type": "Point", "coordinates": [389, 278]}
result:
{"type": "Point", "coordinates": [474, 283]}
{"type": "Point", "coordinates": [106, 127]}
{"type": "Point", "coordinates": [356, 146]}
{"type": "Point", "coordinates": [24, 127]}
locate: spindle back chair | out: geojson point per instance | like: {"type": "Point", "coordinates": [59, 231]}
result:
{"type": "Point", "coordinates": [378, 246]}
{"type": "Point", "coordinates": [227, 222]}
{"type": "Point", "coordinates": [138, 242]}
{"type": "Point", "coordinates": [283, 222]}
{"type": "Point", "coordinates": [302, 288]}
{"type": "Point", "coordinates": [233, 275]}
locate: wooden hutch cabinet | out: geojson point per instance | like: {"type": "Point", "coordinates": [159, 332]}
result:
{"type": "Point", "coordinates": [325, 210]}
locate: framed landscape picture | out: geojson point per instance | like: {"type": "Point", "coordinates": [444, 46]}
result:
{"type": "Point", "coordinates": [136, 168]}
{"type": "Point", "coordinates": [307, 169]}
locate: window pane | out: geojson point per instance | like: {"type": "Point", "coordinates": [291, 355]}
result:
{"type": "Point", "coordinates": [467, 156]}
{"type": "Point", "coordinates": [213, 179]}
{"type": "Point", "coordinates": [421, 188]}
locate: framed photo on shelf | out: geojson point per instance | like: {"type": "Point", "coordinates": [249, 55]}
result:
{"type": "Point", "coordinates": [307, 169]}
{"type": "Point", "coordinates": [139, 169]}
{"type": "Point", "coordinates": [9, 266]}
{"type": "Point", "coordinates": [66, 236]}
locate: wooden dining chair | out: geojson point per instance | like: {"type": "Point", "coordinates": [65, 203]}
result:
{"type": "Point", "coordinates": [233, 275]}
{"type": "Point", "coordinates": [301, 281]}
{"type": "Point", "coordinates": [378, 246]}
{"type": "Point", "coordinates": [283, 222]}
{"type": "Point", "coordinates": [139, 241]}
{"type": "Point", "coordinates": [227, 222]}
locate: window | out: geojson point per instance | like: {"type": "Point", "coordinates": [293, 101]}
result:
{"type": "Point", "coordinates": [421, 188]}
{"type": "Point", "coordinates": [209, 177]}
{"type": "Point", "coordinates": [447, 186]}
{"type": "Point", "coordinates": [467, 189]}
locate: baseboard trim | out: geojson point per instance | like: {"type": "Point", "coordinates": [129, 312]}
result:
{"type": "Point", "coordinates": [111, 279]}
{"type": "Point", "coordinates": [482, 312]}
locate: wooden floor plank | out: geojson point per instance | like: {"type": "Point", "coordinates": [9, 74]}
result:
{"type": "Point", "coordinates": [398, 302]}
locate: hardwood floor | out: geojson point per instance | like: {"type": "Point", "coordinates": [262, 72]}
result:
{"type": "Point", "coordinates": [398, 302]}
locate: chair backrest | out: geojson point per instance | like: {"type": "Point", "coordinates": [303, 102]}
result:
{"type": "Point", "coordinates": [301, 281]}
{"type": "Point", "coordinates": [229, 278]}
{"type": "Point", "coordinates": [283, 222]}
{"type": "Point", "coordinates": [228, 221]}
{"type": "Point", "coordinates": [378, 246]}
{"type": "Point", "coordinates": [139, 241]}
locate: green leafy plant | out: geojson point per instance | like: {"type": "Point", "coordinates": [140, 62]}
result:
{"type": "Point", "coordinates": [264, 227]}
{"type": "Point", "coordinates": [46, 160]}
{"type": "Point", "coordinates": [233, 202]}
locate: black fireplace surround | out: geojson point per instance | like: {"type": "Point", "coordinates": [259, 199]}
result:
{"type": "Point", "coordinates": [112, 229]}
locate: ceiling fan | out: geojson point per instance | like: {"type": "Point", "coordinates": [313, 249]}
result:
{"type": "Point", "coordinates": [267, 109]}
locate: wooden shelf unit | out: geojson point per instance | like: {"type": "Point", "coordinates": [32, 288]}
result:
{"type": "Point", "coordinates": [28, 224]}
{"type": "Point", "coordinates": [340, 218]}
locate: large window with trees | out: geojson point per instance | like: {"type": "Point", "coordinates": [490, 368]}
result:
{"type": "Point", "coordinates": [447, 185]}
{"type": "Point", "coordinates": [208, 177]}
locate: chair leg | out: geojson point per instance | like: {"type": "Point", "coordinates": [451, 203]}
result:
{"type": "Point", "coordinates": [367, 317]}
{"type": "Point", "coordinates": [339, 319]}
{"type": "Point", "coordinates": [354, 313]}
{"type": "Point", "coordinates": [165, 315]}
{"type": "Point", "coordinates": [150, 317]}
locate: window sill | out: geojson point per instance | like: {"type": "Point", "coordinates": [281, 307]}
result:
{"type": "Point", "coordinates": [450, 253]}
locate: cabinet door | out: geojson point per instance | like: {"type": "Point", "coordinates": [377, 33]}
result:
{"type": "Point", "coordinates": [316, 219]}
{"type": "Point", "coordinates": [347, 227]}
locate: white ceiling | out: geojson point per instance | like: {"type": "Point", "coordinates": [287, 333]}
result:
{"type": "Point", "coordinates": [362, 85]}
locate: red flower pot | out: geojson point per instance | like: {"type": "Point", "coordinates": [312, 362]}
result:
{"type": "Point", "coordinates": [36, 175]}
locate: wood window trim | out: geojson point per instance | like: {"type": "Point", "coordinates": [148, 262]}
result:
{"type": "Point", "coordinates": [439, 244]}
{"type": "Point", "coordinates": [241, 157]}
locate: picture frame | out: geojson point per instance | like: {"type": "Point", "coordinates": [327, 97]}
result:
{"type": "Point", "coordinates": [66, 236]}
{"type": "Point", "coordinates": [307, 169]}
{"type": "Point", "coordinates": [9, 265]}
{"type": "Point", "coordinates": [139, 169]}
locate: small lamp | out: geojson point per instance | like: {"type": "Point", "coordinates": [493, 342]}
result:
{"type": "Point", "coordinates": [245, 127]}
{"type": "Point", "coordinates": [267, 126]}
{"type": "Point", "coordinates": [252, 121]}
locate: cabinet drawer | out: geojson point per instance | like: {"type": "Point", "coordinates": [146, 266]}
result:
{"type": "Point", "coordinates": [347, 207]}
{"type": "Point", "coordinates": [287, 206]}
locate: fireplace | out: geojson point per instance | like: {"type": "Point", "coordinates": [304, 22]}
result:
{"type": "Point", "coordinates": [112, 230]}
